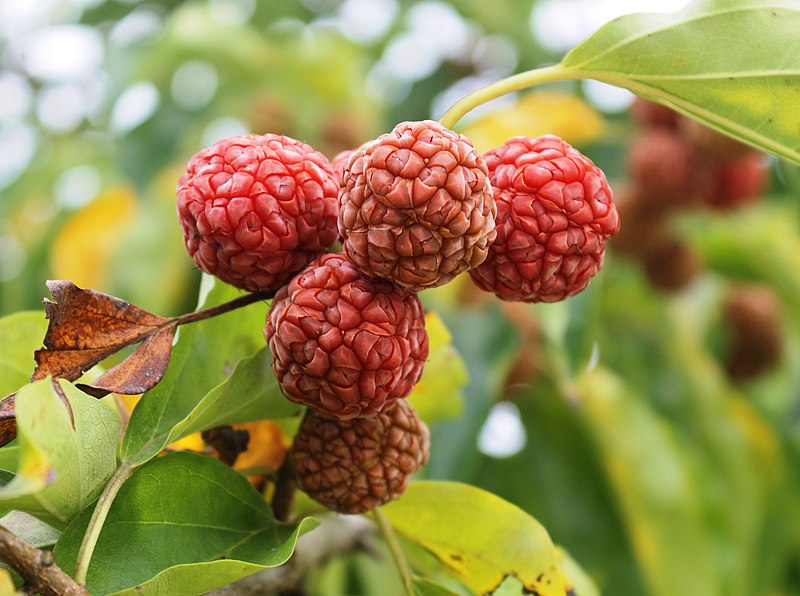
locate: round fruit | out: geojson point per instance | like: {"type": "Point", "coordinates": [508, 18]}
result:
{"type": "Point", "coordinates": [665, 169]}
{"type": "Point", "coordinates": [653, 115]}
{"type": "Point", "coordinates": [344, 344]}
{"type": "Point", "coordinates": [738, 181]}
{"type": "Point", "coordinates": [554, 215]}
{"type": "Point", "coordinates": [416, 206]}
{"type": "Point", "coordinates": [356, 465]}
{"type": "Point", "coordinates": [754, 318]}
{"type": "Point", "coordinates": [256, 209]}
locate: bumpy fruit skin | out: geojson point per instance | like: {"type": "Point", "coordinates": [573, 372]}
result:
{"type": "Point", "coordinates": [416, 206]}
{"type": "Point", "coordinates": [257, 209]}
{"type": "Point", "coordinates": [344, 344]}
{"type": "Point", "coordinates": [554, 215]}
{"type": "Point", "coordinates": [356, 465]}
{"type": "Point", "coordinates": [339, 162]}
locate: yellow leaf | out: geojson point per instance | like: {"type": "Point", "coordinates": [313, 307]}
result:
{"type": "Point", "coordinates": [478, 535]}
{"type": "Point", "coordinates": [534, 115]}
{"type": "Point", "coordinates": [83, 248]}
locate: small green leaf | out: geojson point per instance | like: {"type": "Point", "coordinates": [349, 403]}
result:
{"type": "Point", "coordinates": [478, 535]}
{"type": "Point", "coordinates": [250, 393]}
{"type": "Point", "coordinates": [439, 393]}
{"type": "Point", "coordinates": [181, 524]}
{"type": "Point", "coordinates": [67, 451]}
{"type": "Point", "coordinates": [204, 355]}
{"type": "Point", "coordinates": [20, 334]}
{"type": "Point", "coordinates": [9, 458]}
{"type": "Point", "coordinates": [33, 531]}
{"type": "Point", "coordinates": [697, 62]}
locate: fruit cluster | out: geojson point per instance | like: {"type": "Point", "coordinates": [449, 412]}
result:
{"type": "Point", "coordinates": [677, 164]}
{"type": "Point", "coordinates": [412, 209]}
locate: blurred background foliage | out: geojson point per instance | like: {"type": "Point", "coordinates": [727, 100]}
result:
{"type": "Point", "coordinates": [616, 418]}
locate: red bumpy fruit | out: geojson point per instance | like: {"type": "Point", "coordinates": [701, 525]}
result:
{"type": "Point", "coordinates": [416, 206]}
{"type": "Point", "coordinates": [344, 344]}
{"type": "Point", "coordinates": [353, 466]}
{"type": "Point", "coordinates": [554, 214]}
{"type": "Point", "coordinates": [256, 209]}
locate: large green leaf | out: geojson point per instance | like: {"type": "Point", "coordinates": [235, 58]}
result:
{"type": "Point", "coordinates": [732, 64]}
{"type": "Point", "coordinates": [67, 451]}
{"type": "Point", "coordinates": [203, 357]}
{"type": "Point", "coordinates": [181, 524]}
{"type": "Point", "coordinates": [20, 334]}
{"type": "Point", "coordinates": [478, 535]}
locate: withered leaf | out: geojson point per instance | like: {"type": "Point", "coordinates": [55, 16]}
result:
{"type": "Point", "coordinates": [140, 371]}
{"type": "Point", "coordinates": [87, 326]}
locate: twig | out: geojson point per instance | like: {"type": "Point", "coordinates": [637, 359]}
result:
{"type": "Point", "coordinates": [397, 551]}
{"type": "Point", "coordinates": [41, 574]}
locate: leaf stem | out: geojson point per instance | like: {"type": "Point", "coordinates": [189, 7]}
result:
{"type": "Point", "coordinates": [200, 315]}
{"type": "Point", "coordinates": [97, 520]}
{"type": "Point", "coordinates": [510, 84]}
{"type": "Point", "coordinates": [397, 551]}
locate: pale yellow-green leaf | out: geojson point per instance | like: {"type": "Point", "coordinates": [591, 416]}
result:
{"type": "Point", "coordinates": [67, 451]}
{"type": "Point", "coordinates": [479, 536]}
{"type": "Point", "coordinates": [732, 64]}
{"type": "Point", "coordinates": [439, 393]}
{"type": "Point", "coordinates": [650, 475]}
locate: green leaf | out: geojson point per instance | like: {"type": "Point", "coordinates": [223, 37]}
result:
{"type": "Point", "coordinates": [9, 458]}
{"type": "Point", "coordinates": [481, 537]}
{"type": "Point", "coordinates": [426, 587]}
{"type": "Point", "coordinates": [439, 393]}
{"type": "Point", "coordinates": [698, 62]}
{"type": "Point", "coordinates": [250, 393]}
{"type": "Point", "coordinates": [33, 531]}
{"type": "Point", "coordinates": [20, 334]}
{"type": "Point", "coordinates": [203, 357]}
{"type": "Point", "coordinates": [67, 451]}
{"type": "Point", "coordinates": [181, 524]}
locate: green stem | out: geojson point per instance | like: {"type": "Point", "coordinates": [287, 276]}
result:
{"type": "Point", "coordinates": [397, 551]}
{"type": "Point", "coordinates": [98, 519]}
{"type": "Point", "coordinates": [513, 83]}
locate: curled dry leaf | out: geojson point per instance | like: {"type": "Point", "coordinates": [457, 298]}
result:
{"type": "Point", "coordinates": [87, 326]}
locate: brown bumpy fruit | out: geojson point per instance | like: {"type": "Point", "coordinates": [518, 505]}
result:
{"type": "Point", "coordinates": [344, 344]}
{"type": "Point", "coordinates": [755, 322]}
{"type": "Point", "coordinates": [416, 206]}
{"type": "Point", "coordinates": [665, 168]}
{"type": "Point", "coordinates": [554, 215]}
{"type": "Point", "coordinates": [356, 465]}
{"type": "Point", "coordinates": [738, 181]}
{"type": "Point", "coordinates": [256, 209]}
